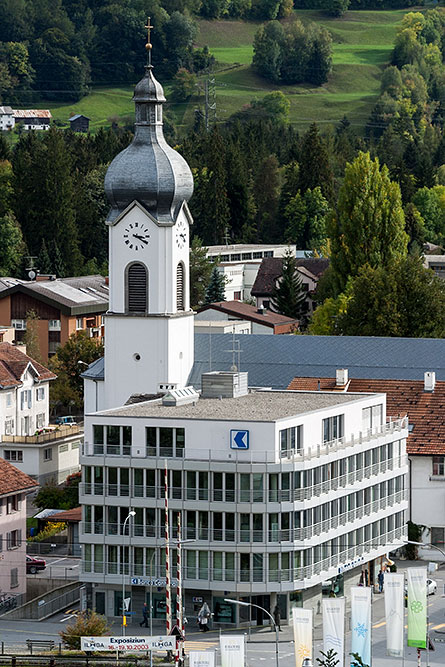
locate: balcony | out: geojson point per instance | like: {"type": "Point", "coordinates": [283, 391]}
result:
{"type": "Point", "coordinates": [251, 496]}
{"type": "Point", "coordinates": [55, 434]}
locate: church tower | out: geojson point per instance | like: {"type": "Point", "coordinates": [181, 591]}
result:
{"type": "Point", "coordinates": [149, 325]}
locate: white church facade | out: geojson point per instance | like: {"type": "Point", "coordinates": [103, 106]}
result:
{"type": "Point", "coordinates": [278, 492]}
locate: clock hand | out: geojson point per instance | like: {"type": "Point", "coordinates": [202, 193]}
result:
{"type": "Point", "coordinates": [141, 238]}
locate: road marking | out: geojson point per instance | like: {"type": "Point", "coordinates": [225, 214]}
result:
{"type": "Point", "coordinates": [438, 627]}
{"type": "Point", "coordinates": [67, 618]}
{"type": "Point", "coordinates": [53, 562]}
{"type": "Point", "coordinates": [379, 625]}
{"type": "Point", "coordinates": [197, 646]}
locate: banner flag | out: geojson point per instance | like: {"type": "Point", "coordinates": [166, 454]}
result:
{"type": "Point", "coordinates": [417, 607]}
{"type": "Point", "coordinates": [394, 613]}
{"type": "Point", "coordinates": [202, 658]}
{"type": "Point", "coordinates": [334, 627]}
{"type": "Point", "coordinates": [302, 622]}
{"type": "Point", "coordinates": [232, 650]}
{"type": "Point", "coordinates": [361, 623]}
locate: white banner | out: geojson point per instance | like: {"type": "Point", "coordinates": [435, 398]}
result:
{"type": "Point", "coordinates": [232, 650]}
{"type": "Point", "coordinates": [361, 622]}
{"type": "Point", "coordinates": [302, 622]}
{"type": "Point", "coordinates": [130, 643]}
{"type": "Point", "coordinates": [334, 627]}
{"type": "Point", "coordinates": [394, 613]}
{"type": "Point", "coordinates": [202, 658]}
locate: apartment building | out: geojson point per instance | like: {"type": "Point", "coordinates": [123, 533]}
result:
{"type": "Point", "coordinates": [44, 453]}
{"type": "Point", "coordinates": [63, 306]}
{"type": "Point", "coordinates": [279, 492]}
{"type": "Point", "coordinates": [14, 485]}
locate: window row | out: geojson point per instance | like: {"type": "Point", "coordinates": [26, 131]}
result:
{"type": "Point", "coordinates": [246, 527]}
{"type": "Point", "coordinates": [240, 487]}
{"type": "Point", "coordinates": [246, 567]}
{"type": "Point", "coordinates": [11, 540]}
{"type": "Point", "coordinates": [117, 440]}
{"type": "Point", "coordinates": [11, 504]}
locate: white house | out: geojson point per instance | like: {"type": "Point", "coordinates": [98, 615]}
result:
{"type": "Point", "coordinates": [7, 120]}
{"type": "Point", "coordinates": [26, 440]}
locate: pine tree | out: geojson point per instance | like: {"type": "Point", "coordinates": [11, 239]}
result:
{"type": "Point", "coordinates": [288, 296]}
{"type": "Point", "coordinates": [329, 658]}
{"type": "Point", "coordinates": [200, 272]}
{"type": "Point", "coordinates": [57, 261]}
{"type": "Point", "coordinates": [216, 289]}
{"type": "Point", "coordinates": [315, 168]}
{"type": "Point", "coordinates": [44, 264]}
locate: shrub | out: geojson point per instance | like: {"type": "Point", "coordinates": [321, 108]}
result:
{"type": "Point", "coordinates": [87, 623]}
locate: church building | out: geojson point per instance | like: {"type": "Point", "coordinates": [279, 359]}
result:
{"type": "Point", "coordinates": [278, 492]}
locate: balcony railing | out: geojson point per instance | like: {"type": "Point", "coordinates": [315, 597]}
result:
{"type": "Point", "coordinates": [274, 455]}
{"type": "Point", "coordinates": [242, 495]}
{"type": "Point", "coordinates": [274, 535]}
{"type": "Point", "coordinates": [56, 434]}
{"type": "Point", "coordinates": [256, 574]}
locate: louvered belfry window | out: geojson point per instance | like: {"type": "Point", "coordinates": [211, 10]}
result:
{"type": "Point", "coordinates": [137, 287]}
{"type": "Point", "coordinates": [180, 287]}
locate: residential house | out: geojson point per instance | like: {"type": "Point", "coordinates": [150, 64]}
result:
{"type": "Point", "coordinates": [26, 440]}
{"type": "Point", "coordinates": [310, 269]}
{"type": "Point", "coordinates": [33, 119]}
{"type": "Point", "coordinates": [262, 320]}
{"type": "Point", "coordinates": [14, 486]}
{"type": "Point", "coordinates": [239, 265]}
{"type": "Point", "coordinates": [7, 120]}
{"type": "Point", "coordinates": [79, 123]}
{"type": "Point", "coordinates": [424, 404]}
{"type": "Point", "coordinates": [72, 518]}
{"type": "Point", "coordinates": [63, 306]}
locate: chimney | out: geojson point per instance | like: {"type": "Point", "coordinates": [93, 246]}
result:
{"type": "Point", "coordinates": [261, 310]}
{"type": "Point", "coordinates": [341, 377]}
{"type": "Point", "coordinates": [429, 381]}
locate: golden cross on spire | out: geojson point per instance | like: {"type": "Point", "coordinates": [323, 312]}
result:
{"type": "Point", "coordinates": [149, 28]}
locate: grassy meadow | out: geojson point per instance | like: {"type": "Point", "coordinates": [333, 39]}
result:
{"type": "Point", "coordinates": [362, 44]}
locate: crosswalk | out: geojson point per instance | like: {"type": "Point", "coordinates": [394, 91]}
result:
{"type": "Point", "coordinates": [199, 645]}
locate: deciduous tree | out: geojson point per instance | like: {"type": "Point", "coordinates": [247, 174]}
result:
{"type": "Point", "coordinates": [368, 223]}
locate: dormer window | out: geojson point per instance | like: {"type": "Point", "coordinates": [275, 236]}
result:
{"type": "Point", "coordinates": [137, 288]}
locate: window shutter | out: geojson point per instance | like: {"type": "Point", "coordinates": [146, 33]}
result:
{"type": "Point", "coordinates": [1, 542]}
{"type": "Point", "coordinates": [19, 537]}
{"type": "Point", "coordinates": [137, 288]}
{"type": "Point", "coordinates": [8, 541]}
{"type": "Point", "coordinates": [29, 398]}
{"type": "Point", "coordinates": [22, 400]}
{"type": "Point", "coordinates": [180, 287]}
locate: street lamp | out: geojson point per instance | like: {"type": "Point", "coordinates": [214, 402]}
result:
{"type": "Point", "coordinates": [250, 604]}
{"type": "Point", "coordinates": [425, 544]}
{"type": "Point", "coordinates": [124, 620]}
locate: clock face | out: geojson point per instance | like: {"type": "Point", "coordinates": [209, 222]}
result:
{"type": "Point", "coordinates": [181, 234]}
{"type": "Point", "coordinates": [136, 236]}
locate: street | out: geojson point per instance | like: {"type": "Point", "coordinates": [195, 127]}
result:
{"type": "Point", "coordinates": [261, 645]}
{"type": "Point", "coordinates": [58, 567]}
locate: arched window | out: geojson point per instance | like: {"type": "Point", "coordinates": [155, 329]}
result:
{"type": "Point", "coordinates": [137, 288]}
{"type": "Point", "coordinates": [180, 300]}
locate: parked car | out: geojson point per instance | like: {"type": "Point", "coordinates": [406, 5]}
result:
{"type": "Point", "coordinates": [67, 420]}
{"type": "Point", "coordinates": [431, 589]}
{"type": "Point", "coordinates": [33, 565]}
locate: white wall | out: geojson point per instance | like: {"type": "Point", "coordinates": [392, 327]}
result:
{"type": "Point", "coordinates": [13, 558]}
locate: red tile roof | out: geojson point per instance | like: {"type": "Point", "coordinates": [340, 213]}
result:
{"type": "Point", "coordinates": [13, 480]}
{"type": "Point", "coordinates": [425, 409]}
{"type": "Point", "coordinates": [70, 515]}
{"type": "Point", "coordinates": [13, 363]}
{"type": "Point", "coordinates": [244, 311]}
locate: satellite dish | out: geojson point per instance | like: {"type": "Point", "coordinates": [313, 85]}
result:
{"type": "Point", "coordinates": [31, 275]}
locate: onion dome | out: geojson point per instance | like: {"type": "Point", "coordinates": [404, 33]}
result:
{"type": "Point", "coordinates": [148, 170]}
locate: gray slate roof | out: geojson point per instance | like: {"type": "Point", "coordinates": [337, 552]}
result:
{"type": "Point", "coordinates": [273, 361]}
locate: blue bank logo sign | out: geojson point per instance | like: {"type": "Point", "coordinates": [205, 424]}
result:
{"type": "Point", "coordinates": [239, 439]}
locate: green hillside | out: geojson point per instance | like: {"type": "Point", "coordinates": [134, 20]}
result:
{"type": "Point", "coordinates": [362, 46]}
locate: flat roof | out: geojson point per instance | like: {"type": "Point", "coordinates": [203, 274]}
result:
{"type": "Point", "coordinates": [267, 406]}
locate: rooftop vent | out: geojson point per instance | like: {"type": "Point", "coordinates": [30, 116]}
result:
{"type": "Point", "coordinates": [176, 397]}
{"type": "Point", "coordinates": [429, 381]}
{"type": "Point", "coordinates": [261, 310]}
{"type": "Point", "coordinates": [341, 377]}
{"type": "Point", "coordinates": [224, 384]}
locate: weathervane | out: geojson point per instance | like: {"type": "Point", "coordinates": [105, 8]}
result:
{"type": "Point", "coordinates": [148, 45]}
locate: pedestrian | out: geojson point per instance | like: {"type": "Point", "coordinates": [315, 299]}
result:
{"type": "Point", "coordinates": [277, 617]}
{"type": "Point", "coordinates": [203, 617]}
{"type": "Point", "coordinates": [380, 579]}
{"type": "Point", "coordinates": [144, 616]}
